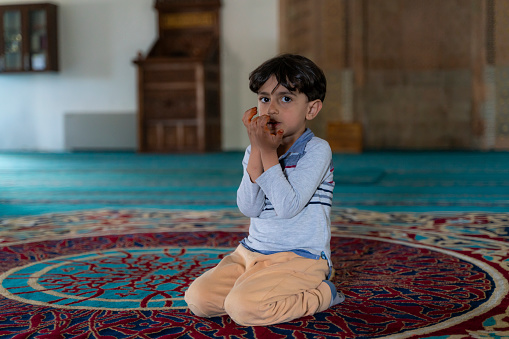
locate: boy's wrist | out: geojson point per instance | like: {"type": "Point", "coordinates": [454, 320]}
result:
{"type": "Point", "coordinates": [269, 158]}
{"type": "Point", "coordinates": [255, 150]}
{"type": "Point", "coordinates": [254, 165]}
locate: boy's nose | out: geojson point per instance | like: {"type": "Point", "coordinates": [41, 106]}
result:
{"type": "Point", "coordinates": [272, 108]}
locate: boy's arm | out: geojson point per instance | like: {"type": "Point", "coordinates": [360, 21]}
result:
{"type": "Point", "coordinates": [254, 166]}
{"type": "Point", "coordinates": [260, 155]}
{"type": "Point", "coordinates": [289, 195]}
{"type": "Point", "coordinates": [263, 144]}
{"type": "Point", "coordinates": [250, 198]}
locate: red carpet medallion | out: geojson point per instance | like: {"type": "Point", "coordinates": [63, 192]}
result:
{"type": "Point", "coordinates": [122, 274]}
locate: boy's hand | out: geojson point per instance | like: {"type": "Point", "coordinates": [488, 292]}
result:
{"type": "Point", "coordinates": [254, 165]}
{"type": "Point", "coordinates": [247, 118]}
{"type": "Point", "coordinates": [258, 132]}
{"type": "Point", "coordinates": [264, 144]}
{"type": "Point", "coordinates": [265, 140]}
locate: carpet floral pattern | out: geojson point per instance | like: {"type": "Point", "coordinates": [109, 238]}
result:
{"type": "Point", "coordinates": [122, 274]}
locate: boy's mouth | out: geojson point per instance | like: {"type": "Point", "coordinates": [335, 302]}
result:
{"type": "Point", "coordinates": [272, 124]}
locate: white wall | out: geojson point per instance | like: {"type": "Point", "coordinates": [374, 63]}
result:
{"type": "Point", "coordinates": [250, 33]}
{"type": "Point", "coordinates": [98, 41]}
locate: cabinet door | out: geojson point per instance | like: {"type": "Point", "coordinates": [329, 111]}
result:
{"type": "Point", "coordinates": [38, 50]}
{"type": "Point", "coordinates": [12, 41]}
{"type": "Point", "coordinates": [28, 41]}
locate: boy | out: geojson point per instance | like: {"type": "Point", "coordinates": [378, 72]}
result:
{"type": "Point", "coordinates": [279, 272]}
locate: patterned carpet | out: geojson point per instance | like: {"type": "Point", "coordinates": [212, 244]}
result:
{"type": "Point", "coordinates": [122, 274]}
{"type": "Point", "coordinates": [99, 245]}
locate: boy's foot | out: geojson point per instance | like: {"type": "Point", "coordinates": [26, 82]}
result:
{"type": "Point", "coordinates": [337, 296]}
{"type": "Point", "coordinates": [332, 274]}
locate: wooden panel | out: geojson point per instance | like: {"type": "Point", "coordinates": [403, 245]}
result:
{"type": "Point", "coordinates": [187, 138]}
{"type": "Point", "coordinates": [170, 104]}
{"type": "Point", "coordinates": [169, 75]}
{"type": "Point", "coordinates": [478, 61]}
{"type": "Point", "coordinates": [152, 137]}
{"type": "Point", "coordinates": [332, 35]}
{"type": "Point", "coordinates": [317, 29]}
{"type": "Point", "coordinates": [501, 29]}
{"type": "Point", "coordinates": [299, 38]}
{"type": "Point", "coordinates": [187, 20]}
{"type": "Point", "coordinates": [418, 68]}
{"type": "Point", "coordinates": [355, 41]}
{"type": "Point", "coordinates": [180, 136]}
{"type": "Point", "coordinates": [400, 35]}
{"type": "Point", "coordinates": [423, 83]}
{"type": "Point", "coordinates": [418, 109]}
{"type": "Point", "coordinates": [344, 137]}
{"type": "Point", "coordinates": [178, 44]}
{"type": "Point", "coordinates": [502, 107]}
{"type": "Point", "coordinates": [213, 135]}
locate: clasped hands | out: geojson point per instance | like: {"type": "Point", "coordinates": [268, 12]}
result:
{"type": "Point", "coordinates": [260, 136]}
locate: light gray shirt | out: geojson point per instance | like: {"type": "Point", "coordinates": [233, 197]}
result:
{"type": "Point", "coordinates": [289, 204]}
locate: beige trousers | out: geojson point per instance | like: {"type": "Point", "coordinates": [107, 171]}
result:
{"type": "Point", "coordinates": [256, 289]}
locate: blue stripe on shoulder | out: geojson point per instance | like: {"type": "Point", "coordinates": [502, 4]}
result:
{"type": "Point", "coordinates": [291, 160]}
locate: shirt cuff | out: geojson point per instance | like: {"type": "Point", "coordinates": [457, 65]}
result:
{"type": "Point", "coordinates": [269, 176]}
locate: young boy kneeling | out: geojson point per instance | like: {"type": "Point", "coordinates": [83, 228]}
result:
{"type": "Point", "coordinates": [279, 271]}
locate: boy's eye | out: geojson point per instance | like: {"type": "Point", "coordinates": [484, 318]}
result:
{"type": "Point", "coordinates": [286, 99]}
{"type": "Point", "coordinates": [264, 99]}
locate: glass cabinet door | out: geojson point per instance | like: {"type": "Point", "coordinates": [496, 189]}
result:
{"type": "Point", "coordinates": [13, 44]}
{"type": "Point", "coordinates": [28, 38]}
{"type": "Point", "coordinates": [38, 31]}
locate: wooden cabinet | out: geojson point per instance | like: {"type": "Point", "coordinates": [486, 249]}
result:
{"type": "Point", "coordinates": [178, 106]}
{"type": "Point", "coordinates": [179, 80]}
{"type": "Point", "coordinates": [28, 38]}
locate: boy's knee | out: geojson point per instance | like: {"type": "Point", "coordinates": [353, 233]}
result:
{"type": "Point", "coordinates": [244, 311]}
{"type": "Point", "coordinates": [238, 311]}
{"type": "Point", "coordinates": [195, 300]}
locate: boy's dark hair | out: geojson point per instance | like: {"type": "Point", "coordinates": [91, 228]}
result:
{"type": "Point", "coordinates": [294, 72]}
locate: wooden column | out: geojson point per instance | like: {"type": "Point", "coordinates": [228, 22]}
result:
{"type": "Point", "coordinates": [478, 64]}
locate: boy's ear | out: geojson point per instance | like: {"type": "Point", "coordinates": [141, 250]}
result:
{"type": "Point", "coordinates": [313, 108]}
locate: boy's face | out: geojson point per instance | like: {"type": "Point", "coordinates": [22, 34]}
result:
{"type": "Point", "coordinates": [287, 110]}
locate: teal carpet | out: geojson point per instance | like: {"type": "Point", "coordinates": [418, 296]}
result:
{"type": "Point", "coordinates": [36, 183]}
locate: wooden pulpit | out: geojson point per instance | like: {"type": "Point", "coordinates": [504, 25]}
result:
{"type": "Point", "coordinates": [179, 80]}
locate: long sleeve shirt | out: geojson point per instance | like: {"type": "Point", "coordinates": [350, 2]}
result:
{"type": "Point", "coordinates": [289, 204]}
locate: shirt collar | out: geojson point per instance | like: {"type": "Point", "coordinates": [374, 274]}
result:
{"type": "Point", "coordinates": [300, 144]}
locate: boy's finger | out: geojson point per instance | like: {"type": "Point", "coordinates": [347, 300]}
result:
{"type": "Point", "coordinates": [279, 134]}
{"type": "Point", "coordinates": [249, 114]}
{"type": "Point", "coordinates": [264, 119]}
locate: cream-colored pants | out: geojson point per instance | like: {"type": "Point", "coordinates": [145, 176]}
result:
{"type": "Point", "coordinates": [256, 289]}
